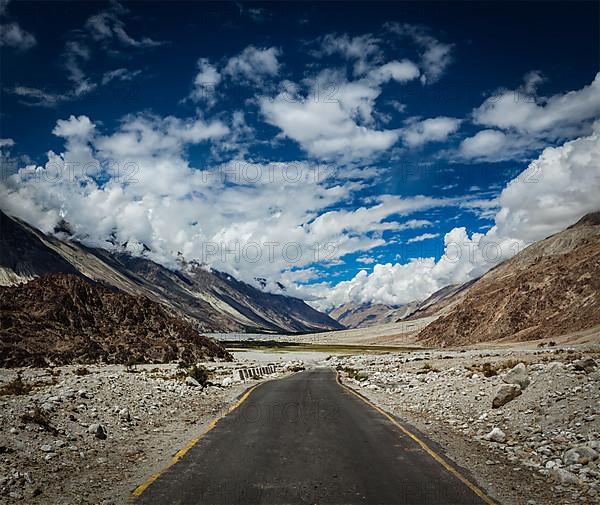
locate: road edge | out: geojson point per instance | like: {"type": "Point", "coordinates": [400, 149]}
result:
{"type": "Point", "coordinates": [439, 459]}
{"type": "Point", "coordinates": [137, 492]}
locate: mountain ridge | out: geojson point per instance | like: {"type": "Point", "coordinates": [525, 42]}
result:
{"type": "Point", "coordinates": [212, 300]}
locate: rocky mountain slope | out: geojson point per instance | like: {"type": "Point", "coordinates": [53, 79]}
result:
{"type": "Point", "coordinates": [353, 315]}
{"type": "Point", "coordinates": [213, 301]}
{"type": "Point", "coordinates": [64, 319]}
{"type": "Point", "coordinates": [550, 288]}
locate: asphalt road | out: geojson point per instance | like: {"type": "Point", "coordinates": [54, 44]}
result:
{"type": "Point", "coordinates": [307, 440]}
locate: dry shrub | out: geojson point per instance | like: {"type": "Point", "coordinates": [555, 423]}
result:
{"type": "Point", "coordinates": [17, 386]}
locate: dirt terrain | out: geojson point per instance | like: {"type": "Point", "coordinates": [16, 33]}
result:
{"type": "Point", "coordinates": [64, 319]}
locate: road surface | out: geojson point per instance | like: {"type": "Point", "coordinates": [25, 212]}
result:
{"type": "Point", "coordinates": [306, 439]}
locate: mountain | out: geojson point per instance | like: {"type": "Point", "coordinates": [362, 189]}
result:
{"type": "Point", "coordinates": [549, 289]}
{"type": "Point", "coordinates": [64, 319]}
{"type": "Point", "coordinates": [353, 315]}
{"type": "Point", "coordinates": [212, 300]}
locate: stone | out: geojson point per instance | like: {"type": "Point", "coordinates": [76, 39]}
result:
{"type": "Point", "coordinates": [190, 381]}
{"type": "Point", "coordinates": [517, 375]}
{"type": "Point", "coordinates": [564, 476]}
{"type": "Point", "coordinates": [362, 375]}
{"type": "Point", "coordinates": [98, 430]}
{"type": "Point", "coordinates": [586, 365]}
{"type": "Point", "coordinates": [505, 393]}
{"type": "Point", "coordinates": [46, 448]}
{"type": "Point", "coordinates": [124, 414]}
{"type": "Point", "coordinates": [227, 381]}
{"type": "Point", "coordinates": [496, 435]}
{"type": "Point", "coordinates": [579, 455]}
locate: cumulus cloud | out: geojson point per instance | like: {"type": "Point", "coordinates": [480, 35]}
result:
{"type": "Point", "coordinates": [554, 191]}
{"type": "Point", "coordinates": [435, 129]}
{"type": "Point", "coordinates": [520, 121]}
{"type": "Point", "coordinates": [12, 34]}
{"type": "Point", "coordinates": [205, 83]}
{"type": "Point", "coordinates": [134, 187]}
{"type": "Point", "coordinates": [362, 50]}
{"type": "Point", "coordinates": [254, 64]}
{"type": "Point", "coordinates": [334, 117]}
{"type": "Point", "coordinates": [6, 143]}
{"type": "Point", "coordinates": [435, 55]}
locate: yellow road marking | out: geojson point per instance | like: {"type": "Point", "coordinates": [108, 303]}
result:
{"type": "Point", "coordinates": [478, 491]}
{"type": "Point", "coordinates": [181, 452]}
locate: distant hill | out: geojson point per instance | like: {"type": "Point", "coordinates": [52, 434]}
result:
{"type": "Point", "coordinates": [211, 300]}
{"type": "Point", "coordinates": [64, 319]}
{"type": "Point", "coordinates": [549, 289]}
{"type": "Point", "coordinates": [353, 315]}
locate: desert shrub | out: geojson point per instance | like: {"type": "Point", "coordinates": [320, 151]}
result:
{"type": "Point", "coordinates": [17, 386]}
{"type": "Point", "coordinates": [486, 369]}
{"type": "Point", "coordinates": [351, 372]}
{"type": "Point", "coordinates": [426, 368]}
{"type": "Point", "coordinates": [130, 364]}
{"type": "Point", "coordinates": [39, 417]}
{"type": "Point", "coordinates": [200, 373]}
{"type": "Point", "coordinates": [81, 371]}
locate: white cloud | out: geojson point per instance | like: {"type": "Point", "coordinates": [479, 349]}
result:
{"type": "Point", "coordinates": [421, 238]}
{"type": "Point", "coordinates": [435, 129]}
{"type": "Point", "coordinates": [108, 26]}
{"type": "Point", "coordinates": [11, 33]}
{"type": "Point", "coordinates": [119, 74]}
{"type": "Point", "coordinates": [553, 192]}
{"type": "Point", "coordinates": [363, 50]}
{"type": "Point", "coordinates": [254, 64]}
{"type": "Point", "coordinates": [205, 83]}
{"type": "Point", "coordinates": [334, 118]}
{"type": "Point", "coordinates": [80, 127]}
{"type": "Point", "coordinates": [435, 55]}
{"type": "Point", "coordinates": [103, 33]}
{"type": "Point", "coordinates": [170, 206]}
{"type": "Point", "coordinates": [7, 143]}
{"type": "Point", "coordinates": [520, 121]}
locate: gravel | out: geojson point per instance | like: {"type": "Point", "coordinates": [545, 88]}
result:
{"type": "Point", "coordinates": [107, 430]}
{"type": "Point", "coordinates": [541, 443]}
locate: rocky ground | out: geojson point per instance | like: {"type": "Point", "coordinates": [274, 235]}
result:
{"type": "Point", "coordinates": [75, 435]}
{"type": "Point", "coordinates": [529, 433]}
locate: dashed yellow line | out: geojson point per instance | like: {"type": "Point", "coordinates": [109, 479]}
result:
{"type": "Point", "coordinates": [478, 491]}
{"type": "Point", "coordinates": [181, 452]}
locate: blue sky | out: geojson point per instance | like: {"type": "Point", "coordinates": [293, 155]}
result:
{"type": "Point", "coordinates": [405, 140]}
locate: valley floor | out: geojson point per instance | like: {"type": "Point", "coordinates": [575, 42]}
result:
{"type": "Point", "coordinates": [148, 413]}
{"type": "Point", "coordinates": [548, 450]}
{"type": "Point", "coordinates": [546, 453]}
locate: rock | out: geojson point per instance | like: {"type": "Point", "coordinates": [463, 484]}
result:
{"type": "Point", "coordinates": [124, 414]}
{"type": "Point", "coordinates": [98, 430]}
{"type": "Point", "coordinates": [46, 448]}
{"type": "Point", "coordinates": [190, 381]}
{"type": "Point", "coordinates": [586, 365]}
{"type": "Point", "coordinates": [564, 476]}
{"type": "Point", "coordinates": [496, 435]}
{"type": "Point", "coordinates": [517, 375]}
{"type": "Point", "coordinates": [362, 375]}
{"type": "Point", "coordinates": [594, 444]}
{"type": "Point", "coordinates": [505, 393]}
{"type": "Point", "coordinates": [580, 455]}
{"type": "Point", "coordinates": [227, 381]}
